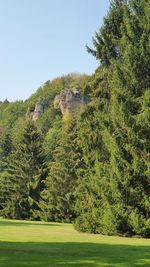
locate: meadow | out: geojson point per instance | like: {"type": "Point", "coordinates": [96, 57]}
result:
{"type": "Point", "coordinates": [38, 244]}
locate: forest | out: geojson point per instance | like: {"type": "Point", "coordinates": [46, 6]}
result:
{"type": "Point", "coordinates": [90, 166]}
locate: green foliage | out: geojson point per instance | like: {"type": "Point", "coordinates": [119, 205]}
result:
{"type": "Point", "coordinates": [119, 164]}
{"type": "Point", "coordinates": [52, 138]}
{"type": "Point", "coordinates": [57, 200]}
{"type": "Point", "coordinates": [10, 112]}
{"type": "Point", "coordinates": [24, 176]}
{"type": "Point", "coordinates": [107, 39]}
{"type": "Point", "coordinates": [21, 172]}
{"type": "Point", "coordinates": [93, 182]}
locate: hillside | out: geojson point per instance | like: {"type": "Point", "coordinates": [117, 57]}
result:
{"type": "Point", "coordinates": [11, 112]}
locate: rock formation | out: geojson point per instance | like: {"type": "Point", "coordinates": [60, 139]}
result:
{"type": "Point", "coordinates": [39, 109]}
{"type": "Point", "coordinates": [69, 101]}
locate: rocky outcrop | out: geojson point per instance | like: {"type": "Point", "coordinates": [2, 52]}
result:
{"type": "Point", "coordinates": [39, 109]}
{"type": "Point", "coordinates": [69, 101]}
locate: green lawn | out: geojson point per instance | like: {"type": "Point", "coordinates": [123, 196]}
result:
{"type": "Point", "coordinates": [37, 244]}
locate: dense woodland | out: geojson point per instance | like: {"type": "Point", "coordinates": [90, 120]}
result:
{"type": "Point", "coordinates": [92, 169]}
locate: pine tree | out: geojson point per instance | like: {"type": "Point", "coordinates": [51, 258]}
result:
{"type": "Point", "coordinates": [107, 38]}
{"type": "Point", "coordinates": [57, 200]}
{"type": "Point", "coordinates": [5, 150]}
{"type": "Point", "coordinates": [92, 184]}
{"type": "Point", "coordinates": [121, 182]}
{"type": "Point", "coordinates": [23, 179]}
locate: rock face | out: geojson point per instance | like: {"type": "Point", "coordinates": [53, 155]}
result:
{"type": "Point", "coordinates": [69, 101]}
{"type": "Point", "coordinates": [39, 109]}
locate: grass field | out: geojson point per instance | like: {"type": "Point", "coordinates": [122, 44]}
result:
{"type": "Point", "coordinates": [36, 244]}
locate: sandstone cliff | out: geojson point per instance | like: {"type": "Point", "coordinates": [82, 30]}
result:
{"type": "Point", "coordinates": [69, 101]}
{"type": "Point", "coordinates": [39, 109]}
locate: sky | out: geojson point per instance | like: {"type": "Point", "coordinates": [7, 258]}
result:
{"type": "Point", "coordinates": [44, 39]}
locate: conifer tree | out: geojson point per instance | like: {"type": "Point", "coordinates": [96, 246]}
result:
{"type": "Point", "coordinates": [22, 181]}
{"type": "Point", "coordinates": [57, 200]}
{"type": "Point", "coordinates": [106, 39]}
{"type": "Point", "coordinates": [129, 136]}
{"type": "Point", "coordinates": [122, 204]}
{"type": "Point", "coordinates": [92, 184]}
{"type": "Point", "coordinates": [5, 150]}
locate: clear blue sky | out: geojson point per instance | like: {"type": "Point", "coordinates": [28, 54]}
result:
{"type": "Point", "coordinates": [43, 39]}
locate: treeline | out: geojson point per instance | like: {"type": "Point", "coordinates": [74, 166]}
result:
{"type": "Point", "coordinates": [94, 168]}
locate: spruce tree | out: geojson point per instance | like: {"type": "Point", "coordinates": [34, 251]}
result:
{"type": "Point", "coordinates": [23, 179]}
{"type": "Point", "coordinates": [5, 150]}
{"type": "Point", "coordinates": [128, 134]}
{"type": "Point", "coordinates": [57, 200]}
{"type": "Point", "coordinates": [121, 184]}
{"type": "Point", "coordinates": [92, 184]}
{"type": "Point", "coordinates": [106, 39]}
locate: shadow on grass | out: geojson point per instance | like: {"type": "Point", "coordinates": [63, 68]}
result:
{"type": "Point", "coordinates": [28, 223]}
{"type": "Point", "coordinates": [72, 254]}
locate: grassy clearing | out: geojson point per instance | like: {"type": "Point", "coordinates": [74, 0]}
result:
{"type": "Point", "coordinates": [36, 244]}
